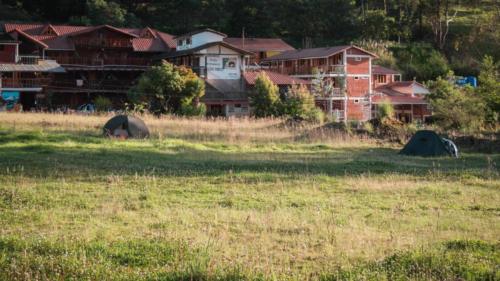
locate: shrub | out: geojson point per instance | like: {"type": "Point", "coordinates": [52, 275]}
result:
{"type": "Point", "coordinates": [456, 108]}
{"type": "Point", "coordinates": [167, 88]}
{"type": "Point", "coordinates": [385, 110]}
{"type": "Point", "coordinates": [265, 98]}
{"type": "Point", "coordinates": [102, 103]}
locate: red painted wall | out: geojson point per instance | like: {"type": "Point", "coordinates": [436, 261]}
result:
{"type": "Point", "coordinates": [358, 67]}
{"type": "Point", "coordinates": [358, 87]}
{"type": "Point", "coordinates": [8, 53]}
{"type": "Point", "coordinates": [355, 110]}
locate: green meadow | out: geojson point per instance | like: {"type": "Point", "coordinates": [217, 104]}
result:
{"type": "Point", "coordinates": [214, 200]}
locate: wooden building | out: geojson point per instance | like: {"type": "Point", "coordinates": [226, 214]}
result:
{"type": "Point", "coordinates": [98, 60]}
{"type": "Point", "coordinates": [261, 48]}
{"type": "Point", "coordinates": [348, 68]}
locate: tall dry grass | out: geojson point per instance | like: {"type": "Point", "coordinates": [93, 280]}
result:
{"type": "Point", "coordinates": [229, 130]}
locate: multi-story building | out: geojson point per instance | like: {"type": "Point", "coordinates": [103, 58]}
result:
{"type": "Point", "coordinates": [223, 66]}
{"type": "Point", "coordinates": [97, 60]}
{"type": "Point", "coordinates": [357, 85]}
{"type": "Point", "coordinates": [22, 76]}
{"type": "Point", "coordinates": [261, 48]}
{"type": "Point", "coordinates": [347, 67]}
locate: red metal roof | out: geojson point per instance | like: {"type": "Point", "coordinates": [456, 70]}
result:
{"type": "Point", "coordinates": [377, 69]}
{"type": "Point", "coordinates": [141, 42]}
{"type": "Point", "coordinates": [260, 44]}
{"type": "Point", "coordinates": [404, 99]}
{"type": "Point", "coordinates": [277, 78]}
{"type": "Point", "coordinates": [314, 53]}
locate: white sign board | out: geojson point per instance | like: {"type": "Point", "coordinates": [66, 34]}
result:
{"type": "Point", "coordinates": [223, 67]}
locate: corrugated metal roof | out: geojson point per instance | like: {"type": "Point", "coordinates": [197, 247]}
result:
{"type": "Point", "coordinates": [260, 44]}
{"type": "Point", "coordinates": [406, 99]}
{"type": "Point", "coordinates": [377, 69]}
{"type": "Point", "coordinates": [161, 42]}
{"type": "Point", "coordinates": [43, 66]}
{"type": "Point", "coordinates": [277, 78]}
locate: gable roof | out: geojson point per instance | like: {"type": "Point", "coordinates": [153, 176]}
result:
{"type": "Point", "coordinates": [201, 31]}
{"type": "Point", "coordinates": [204, 46]}
{"type": "Point", "coordinates": [259, 44]}
{"type": "Point", "coordinates": [377, 69]}
{"type": "Point", "coordinates": [161, 42]}
{"type": "Point", "coordinates": [406, 88]}
{"type": "Point", "coordinates": [277, 78]}
{"type": "Point", "coordinates": [312, 53]}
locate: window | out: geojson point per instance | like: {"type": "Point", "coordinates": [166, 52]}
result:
{"type": "Point", "coordinates": [356, 77]}
{"type": "Point", "coordinates": [381, 79]}
{"type": "Point", "coordinates": [357, 58]}
{"type": "Point", "coordinates": [179, 42]}
{"type": "Point", "coordinates": [397, 77]}
{"type": "Point", "coordinates": [356, 101]}
{"type": "Point", "coordinates": [262, 55]}
{"type": "Point", "coordinates": [188, 41]}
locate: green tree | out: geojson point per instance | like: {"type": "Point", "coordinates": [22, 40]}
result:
{"type": "Point", "coordinates": [456, 108]}
{"type": "Point", "coordinates": [489, 88]}
{"type": "Point", "coordinates": [168, 88]}
{"type": "Point", "coordinates": [385, 110]}
{"type": "Point", "coordinates": [265, 98]}
{"type": "Point", "coordinates": [298, 102]}
{"type": "Point", "coordinates": [420, 61]}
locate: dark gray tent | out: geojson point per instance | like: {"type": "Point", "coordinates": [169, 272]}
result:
{"type": "Point", "coordinates": [425, 143]}
{"type": "Point", "coordinates": [126, 127]}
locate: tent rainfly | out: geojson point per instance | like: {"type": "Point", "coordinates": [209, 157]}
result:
{"type": "Point", "coordinates": [123, 126]}
{"type": "Point", "coordinates": [427, 143]}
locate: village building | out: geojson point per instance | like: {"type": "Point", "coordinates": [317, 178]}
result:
{"type": "Point", "coordinates": [357, 85]}
{"type": "Point", "coordinates": [59, 66]}
{"type": "Point", "coordinates": [261, 48]}
{"type": "Point", "coordinates": [224, 68]}
{"type": "Point", "coordinates": [96, 60]}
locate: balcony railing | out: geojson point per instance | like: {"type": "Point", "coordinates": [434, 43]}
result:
{"type": "Point", "coordinates": [118, 85]}
{"type": "Point", "coordinates": [103, 62]}
{"type": "Point", "coordinates": [28, 59]}
{"type": "Point", "coordinates": [24, 82]}
{"type": "Point", "coordinates": [103, 43]}
{"type": "Point", "coordinates": [306, 69]}
{"type": "Point", "coordinates": [333, 93]}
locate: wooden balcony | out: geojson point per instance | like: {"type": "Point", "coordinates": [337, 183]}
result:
{"type": "Point", "coordinates": [23, 83]}
{"type": "Point", "coordinates": [306, 69]}
{"type": "Point", "coordinates": [93, 86]}
{"type": "Point", "coordinates": [102, 43]}
{"type": "Point", "coordinates": [28, 59]}
{"type": "Point", "coordinates": [86, 61]}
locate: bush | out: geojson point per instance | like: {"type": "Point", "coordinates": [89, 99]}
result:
{"type": "Point", "coordinates": [193, 110]}
{"type": "Point", "coordinates": [385, 110]}
{"type": "Point", "coordinates": [102, 104]}
{"type": "Point", "coordinates": [167, 88]}
{"type": "Point", "coordinates": [265, 98]}
{"type": "Point", "coordinates": [456, 108]}
{"type": "Point", "coordinates": [315, 115]}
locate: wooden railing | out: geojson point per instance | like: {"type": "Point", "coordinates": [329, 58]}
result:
{"type": "Point", "coordinates": [102, 62]}
{"type": "Point", "coordinates": [23, 82]}
{"type": "Point", "coordinates": [119, 85]}
{"type": "Point", "coordinates": [103, 43]}
{"type": "Point", "coordinates": [306, 69]}
{"type": "Point", "coordinates": [28, 59]}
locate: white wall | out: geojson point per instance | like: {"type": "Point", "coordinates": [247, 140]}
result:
{"type": "Point", "coordinates": [200, 39]}
{"type": "Point", "coordinates": [221, 63]}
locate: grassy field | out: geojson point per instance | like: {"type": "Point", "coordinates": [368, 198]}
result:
{"type": "Point", "coordinates": [237, 200]}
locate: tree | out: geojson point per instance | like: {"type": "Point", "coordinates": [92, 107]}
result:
{"type": "Point", "coordinates": [265, 98]}
{"type": "Point", "coordinates": [168, 88]}
{"type": "Point", "coordinates": [489, 88]}
{"type": "Point", "coordinates": [456, 108]}
{"type": "Point", "coordinates": [298, 102]}
{"type": "Point", "coordinates": [420, 61]}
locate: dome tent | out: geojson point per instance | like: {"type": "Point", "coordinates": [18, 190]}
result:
{"type": "Point", "coordinates": [126, 127]}
{"type": "Point", "coordinates": [426, 143]}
